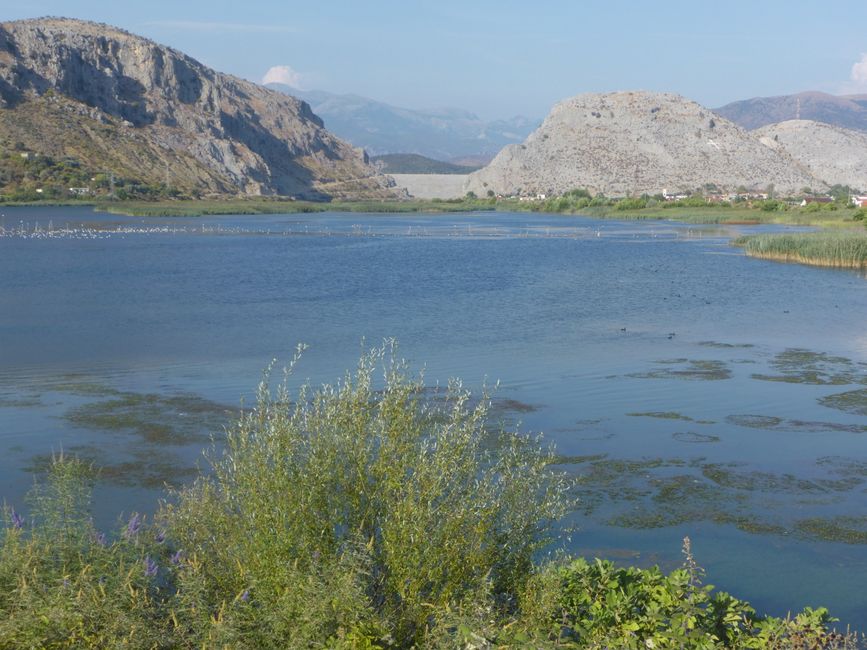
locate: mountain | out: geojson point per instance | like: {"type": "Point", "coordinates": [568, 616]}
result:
{"type": "Point", "coordinates": [837, 156]}
{"type": "Point", "coordinates": [411, 163]}
{"type": "Point", "coordinates": [120, 103]}
{"type": "Point", "coordinates": [633, 143]}
{"type": "Point", "coordinates": [848, 111]}
{"type": "Point", "coordinates": [444, 134]}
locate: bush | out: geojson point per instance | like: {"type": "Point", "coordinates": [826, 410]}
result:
{"type": "Point", "coordinates": [403, 508]}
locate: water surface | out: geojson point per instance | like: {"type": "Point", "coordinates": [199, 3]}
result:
{"type": "Point", "coordinates": [691, 390]}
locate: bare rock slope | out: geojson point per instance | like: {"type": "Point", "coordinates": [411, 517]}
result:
{"type": "Point", "coordinates": [836, 155]}
{"type": "Point", "coordinates": [69, 87]}
{"type": "Point", "coordinates": [637, 142]}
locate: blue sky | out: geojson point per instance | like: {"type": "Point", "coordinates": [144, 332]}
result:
{"type": "Point", "coordinates": [500, 58]}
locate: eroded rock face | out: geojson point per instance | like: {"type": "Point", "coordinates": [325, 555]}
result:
{"type": "Point", "coordinates": [836, 155]}
{"type": "Point", "coordinates": [246, 139]}
{"type": "Point", "coordinates": [629, 143]}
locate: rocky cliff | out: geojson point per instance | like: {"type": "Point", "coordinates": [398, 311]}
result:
{"type": "Point", "coordinates": [836, 155]}
{"type": "Point", "coordinates": [113, 99]}
{"type": "Point", "coordinates": [637, 142]}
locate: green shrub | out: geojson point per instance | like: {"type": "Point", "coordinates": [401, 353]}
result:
{"type": "Point", "coordinates": [417, 505]}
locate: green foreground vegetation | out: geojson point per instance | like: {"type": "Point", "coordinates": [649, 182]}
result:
{"type": "Point", "coordinates": [356, 516]}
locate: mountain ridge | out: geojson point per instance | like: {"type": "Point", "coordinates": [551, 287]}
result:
{"type": "Point", "coordinates": [198, 127]}
{"type": "Point", "coordinates": [445, 134]}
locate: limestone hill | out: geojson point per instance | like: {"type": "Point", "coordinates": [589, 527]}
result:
{"type": "Point", "coordinates": [637, 142]}
{"type": "Point", "coordinates": [836, 155]}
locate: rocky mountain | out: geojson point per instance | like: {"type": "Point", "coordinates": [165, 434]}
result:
{"type": "Point", "coordinates": [837, 156]}
{"type": "Point", "coordinates": [448, 134]}
{"type": "Point", "coordinates": [633, 143]}
{"type": "Point", "coordinates": [121, 103]}
{"type": "Point", "coordinates": [848, 111]}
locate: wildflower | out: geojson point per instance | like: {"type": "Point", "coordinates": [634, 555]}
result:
{"type": "Point", "coordinates": [150, 567]}
{"type": "Point", "coordinates": [17, 521]}
{"type": "Point", "coordinates": [177, 557]}
{"type": "Point", "coordinates": [245, 595]}
{"type": "Point", "coordinates": [133, 526]}
{"type": "Point", "coordinates": [101, 539]}
{"type": "Point", "coordinates": [160, 536]}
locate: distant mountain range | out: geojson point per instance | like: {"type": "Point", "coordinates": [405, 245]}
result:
{"type": "Point", "coordinates": [412, 163]}
{"type": "Point", "coordinates": [847, 111]}
{"type": "Point", "coordinates": [448, 134]}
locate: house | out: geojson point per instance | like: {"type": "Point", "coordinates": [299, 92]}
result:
{"type": "Point", "coordinates": [816, 199]}
{"type": "Point", "coordinates": [859, 201]}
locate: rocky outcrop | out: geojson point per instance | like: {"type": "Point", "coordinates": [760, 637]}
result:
{"type": "Point", "coordinates": [230, 135]}
{"type": "Point", "coordinates": [630, 143]}
{"type": "Point", "coordinates": [836, 155]}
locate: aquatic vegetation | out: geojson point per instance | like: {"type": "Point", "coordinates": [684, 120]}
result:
{"type": "Point", "coordinates": [772, 423]}
{"type": "Point", "coordinates": [854, 401]}
{"type": "Point", "coordinates": [799, 366]}
{"type": "Point", "coordinates": [724, 346]}
{"type": "Point", "coordinates": [701, 369]}
{"type": "Point", "coordinates": [846, 249]}
{"type": "Point", "coordinates": [663, 415]}
{"type": "Point", "coordinates": [166, 419]}
{"type": "Point", "coordinates": [692, 436]}
{"type": "Point", "coordinates": [755, 421]}
{"type": "Point", "coordinates": [848, 530]}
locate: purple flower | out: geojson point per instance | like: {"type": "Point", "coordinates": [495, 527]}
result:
{"type": "Point", "coordinates": [150, 567]}
{"type": "Point", "coordinates": [245, 595]}
{"type": "Point", "coordinates": [17, 521]}
{"type": "Point", "coordinates": [161, 536]}
{"type": "Point", "coordinates": [133, 526]}
{"type": "Point", "coordinates": [101, 539]}
{"type": "Point", "coordinates": [177, 557]}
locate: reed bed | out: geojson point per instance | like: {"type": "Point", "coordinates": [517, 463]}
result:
{"type": "Point", "coordinates": [840, 249]}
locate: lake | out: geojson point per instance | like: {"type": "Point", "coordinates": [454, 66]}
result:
{"type": "Point", "coordinates": [690, 390]}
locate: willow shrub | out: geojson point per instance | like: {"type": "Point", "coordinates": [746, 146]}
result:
{"type": "Point", "coordinates": [358, 512]}
{"type": "Point", "coordinates": [63, 584]}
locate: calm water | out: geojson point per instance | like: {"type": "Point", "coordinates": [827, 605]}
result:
{"type": "Point", "coordinates": [697, 387]}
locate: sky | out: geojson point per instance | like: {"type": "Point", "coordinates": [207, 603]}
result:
{"type": "Point", "coordinates": [500, 58]}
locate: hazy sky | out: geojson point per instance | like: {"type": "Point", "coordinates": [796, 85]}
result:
{"type": "Point", "coordinates": [502, 57]}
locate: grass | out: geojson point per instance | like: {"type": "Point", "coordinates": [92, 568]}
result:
{"type": "Point", "coordinates": [842, 249]}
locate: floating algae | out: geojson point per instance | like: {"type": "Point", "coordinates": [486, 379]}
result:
{"type": "Point", "coordinates": [149, 468]}
{"type": "Point", "coordinates": [662, 415]}
{"type": "Point", "coordinates": [755, 421]}
{"type": "Point", "coordinates": [692, 436]}
{"type": "Point", "coordinates": [701, 370]}
{"type": "Point", "coordinates": [848, 530]}
{"type": "Point", "coordinates": [771, 423]}
{"type": "Point", "coordinates": [176, 419]}
{"type": "Point", "coordinates": [854, 401]}
{"type": "Point", "coordinates": [669, 415]}
{"type": "Point", "coordinates": [724, 346]}
{"type": "Point", "coordinates": [799, 366]}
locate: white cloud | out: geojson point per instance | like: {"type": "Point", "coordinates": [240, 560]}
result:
{"type": "Point", "coordinates": [215, 27]}
{"type": "Point", "coordinates": [283, 74]}
{"type": "Point", "coordinates": [859, 72]}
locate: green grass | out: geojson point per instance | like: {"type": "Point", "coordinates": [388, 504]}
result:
{"type": "Point", "coordinates": [839, 249]}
